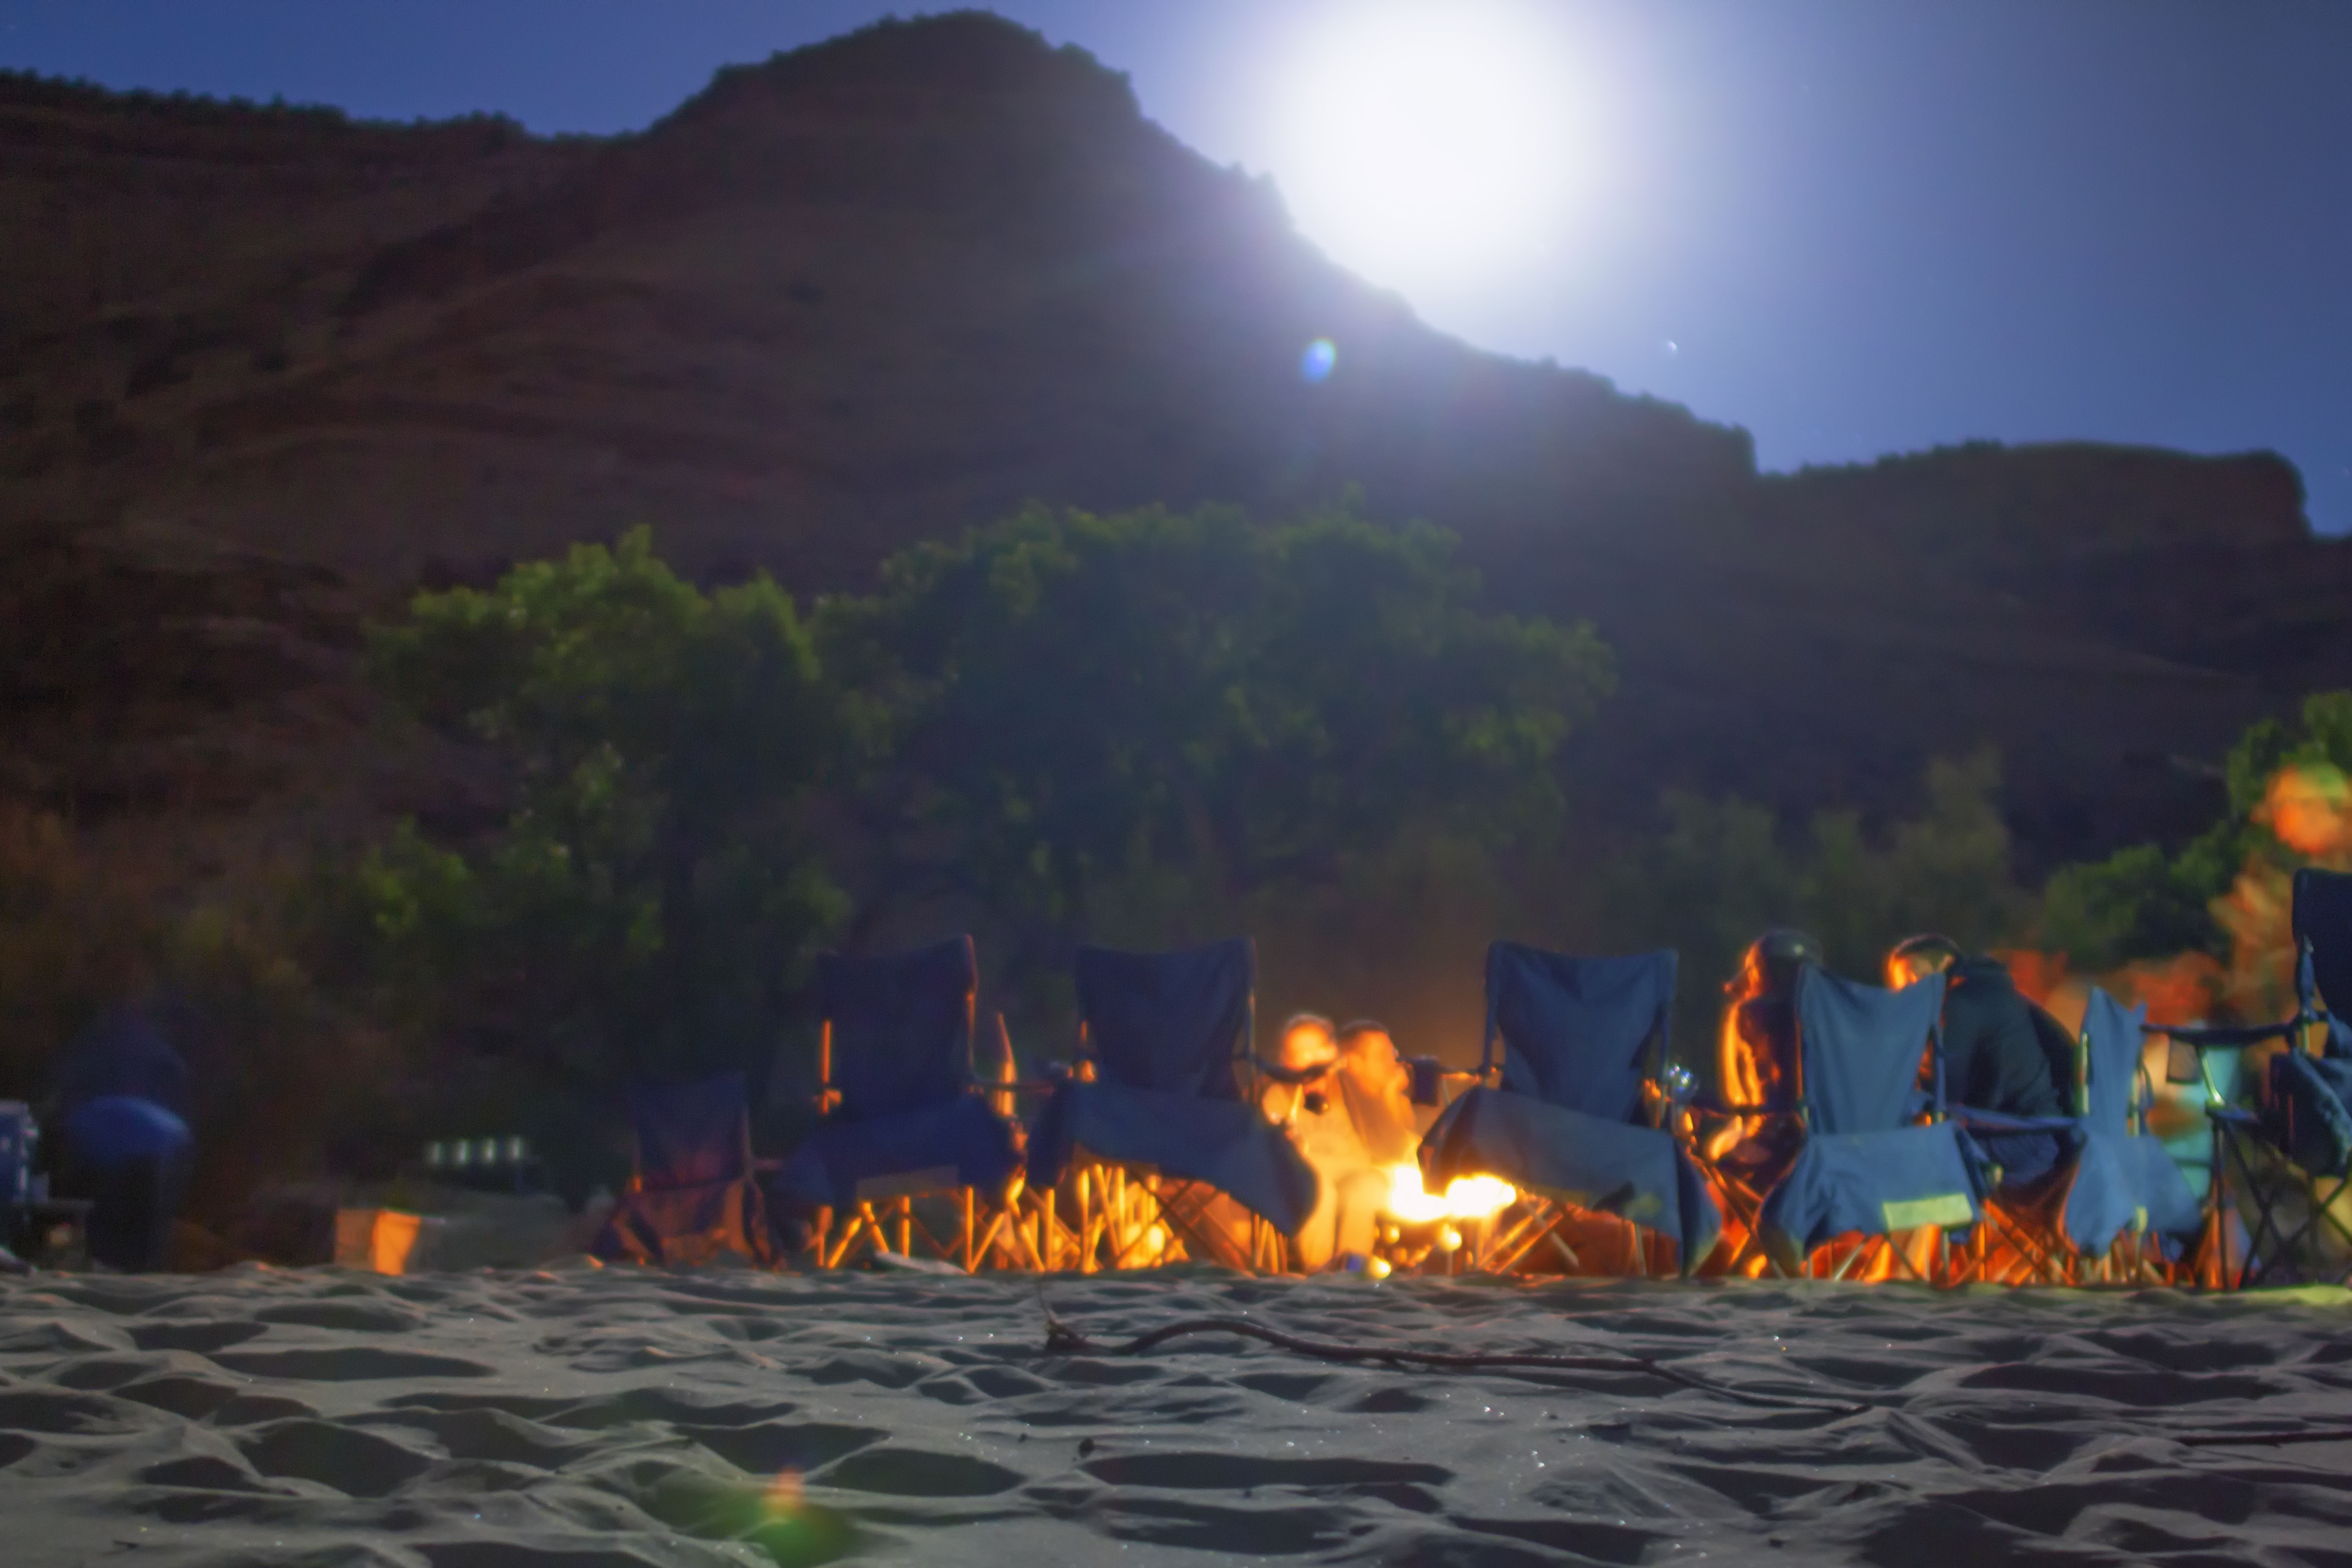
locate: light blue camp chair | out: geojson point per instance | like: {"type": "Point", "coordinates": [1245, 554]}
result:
{"type": "Point", "coordinates": [2123, 1178]}
{"type": "Point", "coordinates": [2114, 1180]}
{"type": "Point", "coordinates": [1573, 1047]}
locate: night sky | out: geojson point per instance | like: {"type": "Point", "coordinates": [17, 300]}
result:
{"type": "Point", "coordinates": [1852, 227]}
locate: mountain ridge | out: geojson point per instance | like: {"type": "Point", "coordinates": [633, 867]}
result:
{"type": "Point", "coordinates": [897, 284]}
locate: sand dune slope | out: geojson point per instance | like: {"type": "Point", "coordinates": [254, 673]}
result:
{"type": "Point", "coordinates": [587, 1419]}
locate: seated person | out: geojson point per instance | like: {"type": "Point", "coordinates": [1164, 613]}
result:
{"type": "Point", "coordinates": [120, 1093]}
{"type": "Point", "coordinates": [1759, 1061]}
{"type": "Point", "coordinates": [2001, 1053]}
{"type": "Point", "coordinates": [1309, 1093]}
{"type": "Point", "coordinates": [1309, 1046]}
{"type": "Point", "coordinates": [1376, 1087]}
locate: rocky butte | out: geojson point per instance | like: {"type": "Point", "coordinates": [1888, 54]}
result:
{"type": "Point", "coordinates": [263, 370]}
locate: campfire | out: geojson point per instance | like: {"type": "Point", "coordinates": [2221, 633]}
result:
{"type": "Point", "coordinates": [1465, 1197]}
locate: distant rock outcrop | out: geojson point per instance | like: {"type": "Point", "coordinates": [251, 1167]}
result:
{"type": "Point", "coordinates": [891, 286]}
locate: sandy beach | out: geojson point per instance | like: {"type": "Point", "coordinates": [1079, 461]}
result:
{"type": "Point", "coordinates": [583, 1418]}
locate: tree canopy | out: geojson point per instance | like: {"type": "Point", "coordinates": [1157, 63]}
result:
{"type": "Point", "coordinates": [1075, 703]}
{"type": "Point", "coordinates": [646, 903]}
{"type": "Point", "coordinates": [2144, 903]}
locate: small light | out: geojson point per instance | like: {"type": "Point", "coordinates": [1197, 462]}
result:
{"type": "Point", "coordinates": [514, 1150]}
{"type": "Point", "coordinates": [1322, 357]}
{"type": "Point", "coordinates": [465, 1154]}
{"type": "Point", "coordinates": [436, 1154]}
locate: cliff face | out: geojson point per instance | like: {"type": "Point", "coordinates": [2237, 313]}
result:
{"type": "Point", "coordinates": [892, 285]}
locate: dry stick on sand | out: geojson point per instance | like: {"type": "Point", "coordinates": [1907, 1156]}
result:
{"type": "Point", "coordinates": [1063, 1340]}
{"type": "Point", "coordinates": [2261, 1439]}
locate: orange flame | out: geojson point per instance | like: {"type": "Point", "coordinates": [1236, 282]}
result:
{"type": "Point", "coordinates": [1465, 1197]}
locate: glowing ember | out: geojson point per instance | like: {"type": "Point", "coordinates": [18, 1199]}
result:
{"type": "Point", "coordinates": [2309, 809]}
{"type": "Point", "coordinates": [1465, 1197]}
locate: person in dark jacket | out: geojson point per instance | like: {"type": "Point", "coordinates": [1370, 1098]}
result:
{"type": "Point", "coordinates": [1997, 1055]}
{"type": "Point", "coordinates": [120, 1092]}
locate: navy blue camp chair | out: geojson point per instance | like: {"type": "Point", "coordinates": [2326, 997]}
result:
{"type": "Point", "coordinates": [1167, 1036]}
{"type": "Point", "coordinates": [909, 1149]}
{"type": "Point", "coordinates": [1577, 1042]}
{"type": "Point", "coordinates": [1869, 1164]}
{"type": "Point", "coordinates": [696, 1195]}
{"type": "Point", "coordinates": [2292, 1159]}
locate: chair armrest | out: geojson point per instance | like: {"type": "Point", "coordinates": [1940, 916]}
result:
{"type": "Point", "coordinates": [2207, 1038]}
{"type": "Point", "coordinates": [1979, 1120]}
{"type": "Point", "coordinates": [1718, 1108]}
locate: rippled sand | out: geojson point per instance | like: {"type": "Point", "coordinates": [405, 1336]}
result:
{"type": "Point", "coordinates": [603, 1420]}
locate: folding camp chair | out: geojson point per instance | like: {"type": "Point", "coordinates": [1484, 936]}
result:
{"type": "Point", "coordinates": [694, 1196]}
{"type": "Point", "coordinates": [2291, 1161]}
{"type": "Point", "coordinates": [1879, 1157]}
{"type": "Point", "coordinates": [911, 1157]}
{"type": "Point", "coordinates": [2119, 1207]}
{"type": "Point", "coordinates": [1163, 1127]}
{"type": "Point", "coordinates": [1571, 1048]}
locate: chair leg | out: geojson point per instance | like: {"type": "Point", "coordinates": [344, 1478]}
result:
{"type": "Point", "coordinates": [849, 1233]}
{"type": "Point", "coordinates": [1502, 1254]}
{"type": "Point", "coordinates": [2263, 1196]}
{"type": "Point", "coordinates": [2317, 1219]}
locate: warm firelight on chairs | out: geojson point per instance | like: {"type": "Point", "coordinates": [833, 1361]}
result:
{"type": "Point", "coordinates": [1465, 1197]}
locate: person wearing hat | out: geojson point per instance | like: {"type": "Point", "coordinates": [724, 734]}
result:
{"type": "Point", "coordinates": [2001, 1053]}
{"type": "Point", "coordinates": [1758, 1056]}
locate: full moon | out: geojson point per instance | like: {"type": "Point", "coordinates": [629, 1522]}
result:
{"type": "Point", "coordinates": [1427, 143]}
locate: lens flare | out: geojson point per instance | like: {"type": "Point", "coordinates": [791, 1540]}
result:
{"type": "Point", "coordinates": [1316, 363]}
{"type": "Point", "coordinates": [2309, 809]}
{"type": "Point", "coordinates": [783, 1497]}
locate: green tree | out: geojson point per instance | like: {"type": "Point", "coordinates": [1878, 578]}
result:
{"type": "Point", "coordinates": [1080, 707]}
{"type": "Point", "coordinates": [2141, 902]}
{"type": "Point", "coordinates": [649, 900]}
{"type": "Point", "coordinates": [1722, 872]}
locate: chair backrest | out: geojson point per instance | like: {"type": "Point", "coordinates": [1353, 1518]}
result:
{"type": "Point", "coordinates": [689, 1135]}
{"type": "Point", "coordinates": [1174, 1022]}
{"type": "Point", "coordinates": [2111, 1038]}
{"type": "Point", "coordinates": [899, 1025]}
{"type": "Point", "coordinates": [1579, 1033]}
{"type": "Point", "coordinates": [1859, 1047]}
{"type": "Point", "coordinates": [2322, 917]}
